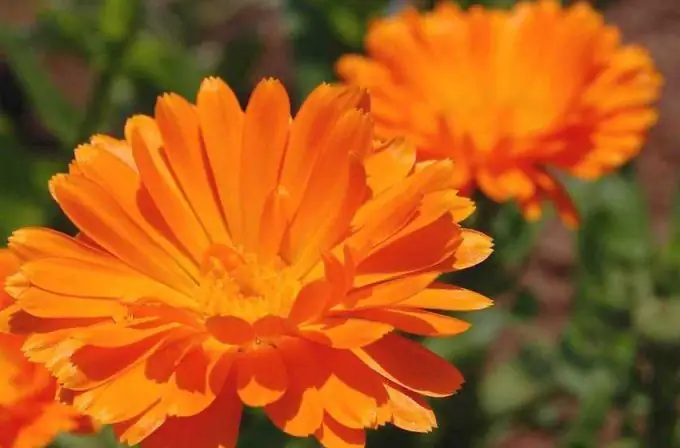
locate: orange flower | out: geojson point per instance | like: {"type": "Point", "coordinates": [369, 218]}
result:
{"type": "Point", "coordinates": [510, 94]}
{"type": "Point", "coordinates": [29, 415]}
{"type": "Point", "coordinates": [231, 258]}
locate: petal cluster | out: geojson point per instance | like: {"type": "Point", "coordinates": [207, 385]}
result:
{"type": "Point", "coordinates": [231, 257]}
{"type": "Point", "coordinates": [510, 95]}
{"type": "Point", "coordinates": [29, 415]}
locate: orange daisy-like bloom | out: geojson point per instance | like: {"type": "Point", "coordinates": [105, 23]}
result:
{"type": "Point", "coordinates": [509, 94]}
{"type": "Point", "coordinates": [229, 258]}
{"type": "Point", "coordinates": [29, 415]}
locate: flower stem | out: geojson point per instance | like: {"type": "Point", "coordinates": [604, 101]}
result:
{"type": "Point", "coordinates": [663, 389]}
{"type": "Point", "coordinates": [100, 100]}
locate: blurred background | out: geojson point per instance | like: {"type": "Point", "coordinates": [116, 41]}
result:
{"type": "Point", "coordinates": [583, 347]}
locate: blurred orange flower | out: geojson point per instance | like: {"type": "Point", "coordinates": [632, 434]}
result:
{"type": "Point", "coordinates": [29, 415]}
{"type": "Point", "coordinates": [508, 95]}
{"type": "Point", "coordinates": [230, 258]}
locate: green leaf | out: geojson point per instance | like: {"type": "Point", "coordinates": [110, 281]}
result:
{"type": "Point", "coordinates": [526, 306]}
{"type": "Point", "coordinates": [658, 321]}
{"type": "Point", "coordinates": [116, 18]}
{"type": "Point", "coordinates": [164, 65]}
{"type": "Point", "coordinates": [58, 115]}
{"type": "Point", "coordinates": [598, 390]}
{"type": "Point", "coordinates": [508, 389]}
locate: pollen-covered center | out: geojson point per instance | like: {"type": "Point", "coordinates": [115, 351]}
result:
{"type": "Point", "coordinates": [235, 284]}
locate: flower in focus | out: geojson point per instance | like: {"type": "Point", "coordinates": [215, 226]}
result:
{"type": "Point", "coordinates": [510, 95]}
{"type": "Point", "coordinates": [230, 258]}
{"type": "Point", "coordinates": [29, 415]}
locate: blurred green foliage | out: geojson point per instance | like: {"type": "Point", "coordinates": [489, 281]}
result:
{"type": "Point", "coordinates": [617, 354]}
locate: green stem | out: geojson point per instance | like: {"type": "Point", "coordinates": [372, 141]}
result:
{"type": "Point", "coordinates": [100, 100]}
{"type": "Point", "coordinates": [663, 389]}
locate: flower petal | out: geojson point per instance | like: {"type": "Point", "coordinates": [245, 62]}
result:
{"type": "Point", "coordinates": [448, 298]}
{"type": "Point", "coordinates": [312, 126]}
{"type": "Point", "coordinates": [390, 292]}
{"type": "Point", "coordinates": [389, 165]}
{"type": "Point", "coordinates": [299, 411]}
{"type": "Point", "coordinates": [198, 378]}
{"type": "Point", "coordinates": [411, 366]}
{"type": "Point", "coordinates": [265, 132]}
{"type": "Point", "coordinates": [112, 402]}
{"type": "Point", "coordinates": [410, 411]}
{"type": "Point", "coordinates": [98, 215]}
{"type": "Point", "coordinates": [352, 393]}
{"type": "Point", "coordinates": [345, 332]}
{"type": "Point", "coordinates": [159, 181]}
{"type": "Point", "coordinates": [221, 121]}
{"type": "Point", "coordinates": [178, 123]}
{"type": "Point", "coordinates": [121, 182]}
{"type": "Point", "coordinates": [217, 426]}
{"type": "Point", "coordinates": [261, 376]}
{"type": "Point", "coordinates": [415, 321]}
{"type": "Point", "coordinates": [475, 248]}
{"type": "Point", "coordinates": [334, 435]}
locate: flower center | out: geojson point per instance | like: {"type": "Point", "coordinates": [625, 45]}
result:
{"type": "Point", "coordinates": [235, 284]}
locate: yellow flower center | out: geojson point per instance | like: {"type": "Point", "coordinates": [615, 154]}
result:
{"type": "Point", "coordinates": [235, 284]}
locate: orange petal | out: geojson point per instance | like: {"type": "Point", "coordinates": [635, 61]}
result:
{"type": "Point", "coordinates": [147, 147]}
{"type": "Point", "coordinates": [322, 210]}
{"type": "Point", "coordinates": [42, 303]}
{"type": "Point", "coordinates": [275, 217]}
{"type": "Point", "coordinates": [415, 321]}
{"type": "Point", "coordinates": [135, 430]}
{"type": "Point", "coordinates": [98, 215]}
{"type": "Point", "coordinates": [311, 127]}
{"type": "Point", "coordinates": [112, 401]}
{"type": "Point", "coordinates": [299, 411]}
{"type": "Point", "coordinates": [311, 302]}
{"type": "Point", "coordinates": [39, 242]}
{"type": "Point", "coordinates": [198, 379]}
{"type": "Point", "coordinates": [118, 148]}
{"type": "Point", "coordinates": [89, 366]}
{"type": "Point", "coordinates": [334, 435]}
{"type": "Point", "coordinates": [408, 364]}
{"type": "Point", "coordinates": [410, 411]}
{"type": "Point", "coordinates": [475, 248]}
{"type": "Point", "coordinates": [557, 193]}
{"type": "Point", "coordinates": [122, 183]}
{"type": "Point", "coordinates": [344, 332]}
{"type": "Point", "coordinates": [230, 330]}
{"type": "Point", "coordinates": [221, 121]}
{"type": "Point", "coordinates": [352, 393]}
{"type": "Point", "coordinates": [262, 377]}
{"type": "Point", "coordinates": [217, 426]}
{"type": "Point", "coordinates": [15, 320]}
{"type": "Point", "coordinates": [389, 165]}
{"type": "Point", "coordinates": [178, 123]}
{"type": "Point", "coordinates": [447, 297]}
{"type": "Point", "coordinates": [65, 276]}
{"type": "Point", "coordinates": [265, 132]}
{"type": "Point", "coordinates": [416, 252]}
{"type": "Point", "coordinates": [383, 216]}
{"type": "Point", "coordinates": [390, 292]}
{"type": "Point", "coordinates": [9, 264]}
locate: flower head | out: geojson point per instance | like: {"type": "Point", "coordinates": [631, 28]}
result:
{"type": "Point", "coordinates": [29, 414]}
{"type": "Point", "coordinates": [231, 258]}
{"type": "Point", "coordinates": [510, 94]}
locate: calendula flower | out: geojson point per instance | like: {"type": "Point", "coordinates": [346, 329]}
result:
{"type": "Point", "coordinates": [510, 95]}
{"type": "Point", "coordinates": [29, 415]}
{"type": "Point", "coordinates": [230, 258]}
